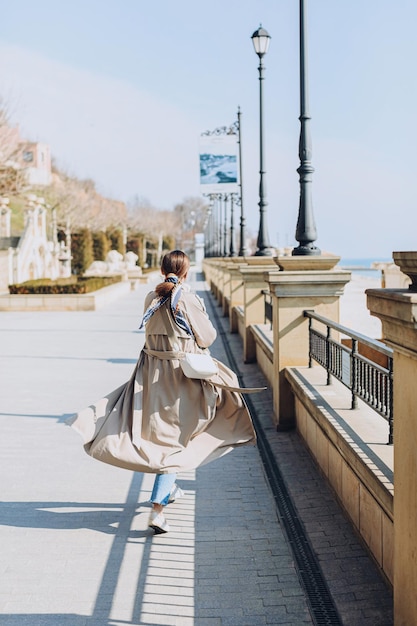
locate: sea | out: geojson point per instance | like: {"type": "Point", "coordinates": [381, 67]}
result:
{"type": "Point", "coordinates": [363, 267]}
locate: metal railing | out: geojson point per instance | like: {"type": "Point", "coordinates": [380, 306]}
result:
{"type": "Point", "coordinates": [367, 379]}
{"type": "Point", "coordinates": [267, 306]}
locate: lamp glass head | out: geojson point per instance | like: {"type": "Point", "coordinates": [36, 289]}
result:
{"type": "Point", "coordinates": [260, 40]}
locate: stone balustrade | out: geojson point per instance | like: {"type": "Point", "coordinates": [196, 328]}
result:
{"type": "Point", "coordinates": [349, 445]}
{"type": "Point", "coordinates": [397, 310]}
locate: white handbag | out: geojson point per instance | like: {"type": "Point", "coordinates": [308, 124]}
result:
{"type": "Point", "coordinates": [198, 365]}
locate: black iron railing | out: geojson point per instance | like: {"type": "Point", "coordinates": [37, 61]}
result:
{"type": "Point", "coordinates": [353, 365]}
{"type": "Point", "coordinates": [267, 306]}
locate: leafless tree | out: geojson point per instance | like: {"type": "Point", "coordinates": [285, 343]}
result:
{"type": "Point", "coordinates": [192, 216]}
{"type": "Point", "coordinates": [154, 223]}
{"type": "Point", "coordinates": [79, 204]}
{"type": "Point", "coordinates": [12, 175]}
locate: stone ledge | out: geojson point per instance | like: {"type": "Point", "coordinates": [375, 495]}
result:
{"type": "Point", "coordinates": [64, 302]}
{"type": "Point", "coordinates": [397, 310]}
{"type": "Point", "coordinates": [263, 337]}
{"type": "Point", "coordinates": [360, 434]}
{"type": "Point", "coordinates": [350, 447]}
{"type": "Point", "coordinates": [321, 262]}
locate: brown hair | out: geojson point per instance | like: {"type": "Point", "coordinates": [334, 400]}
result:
{"type": "Point", "coordinates": [175, 262]}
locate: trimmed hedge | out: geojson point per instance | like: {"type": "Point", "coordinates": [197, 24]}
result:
{"type": "Point", "coordinates": [81, 251]}
{"type": "Point", "coordinates": [101, 246]}
{"type": "Point", "coordinates": [116, 240]}
{"type": "Point", "coordinates": [63, 285]}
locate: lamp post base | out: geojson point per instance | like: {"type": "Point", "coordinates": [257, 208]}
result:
{"type": "Point", "coordinates": [265, 252]}
{"type": "Point", "coordinates": [306, 250]}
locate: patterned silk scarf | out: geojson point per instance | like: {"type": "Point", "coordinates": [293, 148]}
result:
{"type": "Point", "coordinates": [174, 296]}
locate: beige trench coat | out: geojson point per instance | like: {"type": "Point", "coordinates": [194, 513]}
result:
{"type": "Point", "coordinates": [160, 421]}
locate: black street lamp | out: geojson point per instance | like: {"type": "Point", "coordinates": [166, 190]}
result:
{"type": "Point", "coordinates": [232, 226]}
{"type": "Point", "coordinates": [206, 231]}
{"type": "Point", "coordinates": [219, 200]}
{"type": "Point", "coordinates": [306, 233]}
{"type": "Point", "coordinates": [220, 224]}
{"type": "Point", "coordinates": [260, 39]}
{"type": "Point", "coordinates": [242, 244]}
{"type": "Point", "coordinates": [211, 227]}
{"type": "Point", "coordinates": [225, 199]}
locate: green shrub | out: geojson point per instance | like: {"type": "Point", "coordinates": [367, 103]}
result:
{"type": "Point", "coordinates": [168, 242]}
{"type": "Point", "coordinates": [63, 285]}
{"type": "Point", "coordinates": [135, 244]}
{"type": "Point", "coordinates": [116, 240]}
{"type": "Point", "coordinates": [101, 246]}
{"type": "Point", "coordinates": [81, 251]}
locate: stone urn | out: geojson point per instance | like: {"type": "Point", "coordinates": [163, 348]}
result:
{"type": "Point", "coordinates": [407, 262]}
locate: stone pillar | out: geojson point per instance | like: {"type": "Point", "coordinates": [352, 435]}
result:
{"type": "Point", "coordinates": [225, 286]}
{"type": "Point", "coordinates": [227, 269]}
{"type": "Point", "coordinates": [254, 282]}
{"type": "Point", "coordinates": [207, 270]}
{"type": "Point", "coordinates": [397, 310]}
{"type": "Point", "coordinates": [236, 292]}
{"type": "Point", "coordinates": [5, 214]}
{"type": "Point", "coordinates": [199, 249]}
{"type": "Point", "coordinates": [303, 283]}
{"type": "Point", "coordinates": [11, 274]}
{"type": "Point", "coordinates": [230, 276]}
{"type": "Point", "coordinates": [222, 280]}
{"type": "Point", "coordinates": [211, 269]}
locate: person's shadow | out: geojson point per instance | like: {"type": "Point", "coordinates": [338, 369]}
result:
{"type": "Point", "coordinates": [111, 518]}
{"type": "Point", "coordinates": [102, 517]}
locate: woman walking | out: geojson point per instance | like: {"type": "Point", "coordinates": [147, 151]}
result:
{"type": "Point", "coordinates": [161, 421]}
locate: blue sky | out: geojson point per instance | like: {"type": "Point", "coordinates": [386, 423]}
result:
{"type": "Point", "coordinates": [122, 89]}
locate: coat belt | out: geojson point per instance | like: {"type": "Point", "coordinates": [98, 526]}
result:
{"type": "Point", "coordinates": [167, 355]}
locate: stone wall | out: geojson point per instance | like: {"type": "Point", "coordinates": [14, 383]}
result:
{"type": "Point", "coordinates": [350, 448]}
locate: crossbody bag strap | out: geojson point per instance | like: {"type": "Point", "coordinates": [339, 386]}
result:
{"type": "Point", "coordinates": [240, 389]}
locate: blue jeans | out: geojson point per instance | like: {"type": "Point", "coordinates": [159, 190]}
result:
{"type": "Point", "coordinates": [162, 487]}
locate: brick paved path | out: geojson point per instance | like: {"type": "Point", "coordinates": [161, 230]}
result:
{"type": "Point", "coordinates": [75, 547]}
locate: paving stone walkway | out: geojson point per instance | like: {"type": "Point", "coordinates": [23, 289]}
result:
{"type": "Point", "coordinates": [76, 549]}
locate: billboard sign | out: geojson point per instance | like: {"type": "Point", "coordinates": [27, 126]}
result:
{"type": "Point", "coordinates": [218, 164]}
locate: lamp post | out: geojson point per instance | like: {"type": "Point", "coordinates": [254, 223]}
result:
{"type": "Point", "coordinates": [242, 244]}
{"type": "Point", "coordinates": [220, 225]}
{"type": "Point", "coordinates": [220, 198]}
{"type": "Point", "coordinates": [260, 39]}
{"type": "Point", "coordinates": [225, 200]}
{"type": "Point", "coordinates": [232, 226]}
{"type": "Point", "coordinates": [306, 233]}
{"type": "Point", "coordinates": [208, 239]}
